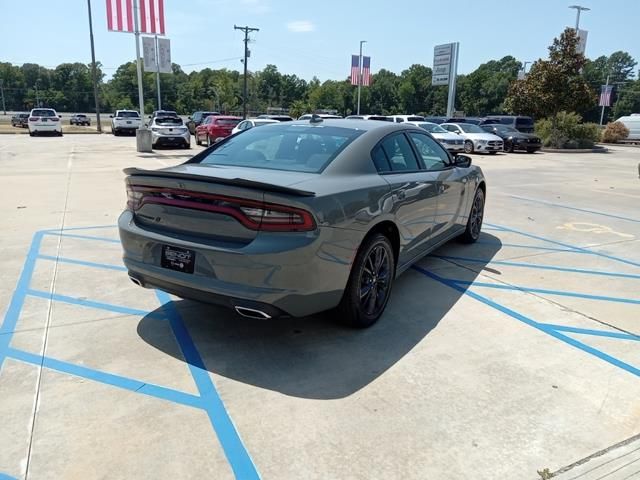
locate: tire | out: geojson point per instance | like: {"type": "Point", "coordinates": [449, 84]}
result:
{"type": "Point", "coordinates": [373, 267]}
{"type": "Point", "coordinates": [31, 134]}
{"type": "Point", "coordinates": [60, 134]}
{"type": "Point", "coordinates": [476, 215]}
{"type": "Point", "coordinates": [198, 142]}
{"type": "Point", "coordinates": [114, 132]}
{"type": "Point", "coordinates": [532, 150]}
{"type": "Point", "coordinates": [468, 146]}
{"type": "Point", "coordinates": [209, 142]}
{"type": "Point", "coordinates": [492, 153]}
{"type": "Point", "coordinates": [508, 147]}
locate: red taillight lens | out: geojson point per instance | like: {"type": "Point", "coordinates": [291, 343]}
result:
{"type": "Point", "coordinates": [54, 119]}
{"type": "Point", "coordinates": [34, 119]}
{"type": "Point", "coordinates": [253, 214]}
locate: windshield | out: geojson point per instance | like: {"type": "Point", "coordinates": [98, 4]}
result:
{"type": "Point", "coordinates": [469, 128]}
{"type": "Point", "coordinates": [43, 113]}
{"type": "Point", "coordinates": [169, 121]}
{"type": "Point", "coordinates": [128, 114]}
{"type": "Point", "coordinates": [505, 128]}
{"type": "Point", "coordinates": [296, 148]}
{"type": "Point", "coordinates": [432, 127]}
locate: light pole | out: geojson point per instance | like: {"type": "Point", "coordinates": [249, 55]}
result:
{"type": "Point", "coordinates": [360, 74]}
{"type": "Point", "coordinates": [579, 9]}
{"type": "Point", "coordinates": [94, 77]}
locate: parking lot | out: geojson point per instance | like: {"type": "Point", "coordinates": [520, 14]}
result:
{"type": "Point", "coordinates": [498, 360]}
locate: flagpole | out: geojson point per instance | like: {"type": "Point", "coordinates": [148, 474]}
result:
{"type": "Point", "coordinates": [606, 88]}
{"type": "Point", "coordinates": [139, 66]}
{"type": "Point", "coordinates": [360, 74]}
{"type": "Point", "coordinates": [158, 74]}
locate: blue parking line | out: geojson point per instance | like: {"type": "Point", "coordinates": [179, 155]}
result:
{"type": "Point", "coordinates": [84, 263]}
{"type": "Point", "coordinates": [82, 237]}
{"type": "Point", "coordinates": [537, 266]}
{"type": "Point", "coordinates": [82, 302]}
{"type": "Point", "coordinates": [124, 383]}
{"type": "Point", "coordinates": [17, 300]}
{"type": "Point", "coordinates": [568, 207]}
{"type": "Point", "coordinates": [587, 331]}
{"type": "Point", "coordinates": [532, 323]}
{"type": "Point", "coordinates": [560, 293]}
{"type": "Point", "coordinates": [573, 247]}
{"type": "Point", "coordinates": [232, 445]}
{"type": "Point", "coordinates": [4, 476]}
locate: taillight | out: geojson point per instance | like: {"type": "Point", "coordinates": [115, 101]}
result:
{"type": "Point", "coordinates": [54, 119]}
{"type": "Point", "coordinates": [254, 215]}
{"type": "Point", "coordinates": [34, 119]}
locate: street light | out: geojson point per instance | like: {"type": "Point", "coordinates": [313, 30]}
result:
{"type": "Point", "coordinates": [579, 9]}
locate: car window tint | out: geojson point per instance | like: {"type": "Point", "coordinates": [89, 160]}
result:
{"type": "Point", "coordinates": [399, 153]}
{"type": "Point", "coordinates": [433, 155]}
{"type": "Point", "coordinates": [380, 160]}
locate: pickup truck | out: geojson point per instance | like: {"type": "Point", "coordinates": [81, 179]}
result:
{"type": "Point", "coordinates": [125, 121]}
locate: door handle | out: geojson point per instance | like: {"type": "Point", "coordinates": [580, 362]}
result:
{"type": "Point", "coordinates": [401, 195]}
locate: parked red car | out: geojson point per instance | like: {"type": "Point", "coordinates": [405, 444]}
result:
{"type": "Point", "coordinates": [215, 128]}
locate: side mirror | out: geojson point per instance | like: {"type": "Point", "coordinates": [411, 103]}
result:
{"type": "Point", "coordinates": [462, 161]}
{"type": "Point", "coordinates": [190, 118]}
{"type": "Point", "coordinates": [110, 116]}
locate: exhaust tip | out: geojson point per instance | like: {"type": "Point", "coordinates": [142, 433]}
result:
{"type": "Point", "coordinates": [136, 281]}
{"type": "Point", "coordinates": [252, 313]}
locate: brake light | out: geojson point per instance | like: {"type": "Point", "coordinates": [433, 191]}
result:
{"type": "Point", "coordinates": [34, 119]}
{"type": "Point", "coordinates": [254, 215]}
{"type": "Point", "coordinates": [54, 119]}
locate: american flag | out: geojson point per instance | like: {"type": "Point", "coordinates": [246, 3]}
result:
{"type": "Point", "coordinates": [605, 95]}
{"type": "Point", "coordinates": [366, 71]}
{"type": "Point", "coordinates": [355, 69]}
{"type": "Point", "coordinates": [120, 16]}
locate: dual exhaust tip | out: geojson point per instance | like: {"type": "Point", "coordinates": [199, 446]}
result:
{"type": "Point", "coordinates": [242, 311]}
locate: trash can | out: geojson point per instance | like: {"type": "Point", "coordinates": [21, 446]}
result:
{"type": "Point", "coordinates": [143, 140]}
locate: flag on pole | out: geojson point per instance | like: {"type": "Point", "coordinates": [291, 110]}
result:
{"type": "Point", "coordinates": [355, 69]}
{"type": "Point", "coordinates": [366, 71]}
{"type": "Point", "coordinates": [605, 95]}
{"type": "Point", "coordinates": [120, 16]}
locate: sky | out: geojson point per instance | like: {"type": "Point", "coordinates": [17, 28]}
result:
{"type": "Point", "coordinates": [316, 37]}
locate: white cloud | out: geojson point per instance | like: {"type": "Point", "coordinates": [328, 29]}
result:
{"type": "Point", "coordinates": [301, 26]}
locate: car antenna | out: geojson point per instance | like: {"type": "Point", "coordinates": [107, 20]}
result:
{"type": "Point", "coordinates": [315, 118]}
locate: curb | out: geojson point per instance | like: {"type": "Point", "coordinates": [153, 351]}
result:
{"type": "Point", "coordinates": [575, 150]}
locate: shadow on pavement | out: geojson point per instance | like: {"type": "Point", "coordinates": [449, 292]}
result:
{"type": "Point", "coordinates": [316, 357]}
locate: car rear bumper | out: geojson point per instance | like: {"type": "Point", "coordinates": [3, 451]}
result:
{"type": "Point", "coordinates": [180, 139]}
{"type": "Point", "coordinates": [297, 274]}
{"type": "Point", "coordinates": [45, 127]}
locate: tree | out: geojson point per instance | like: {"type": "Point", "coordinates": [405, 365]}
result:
{"type": "Point", "coordinates": [553, 85]}
{"type": "Point", "coordinates": [628, 100]}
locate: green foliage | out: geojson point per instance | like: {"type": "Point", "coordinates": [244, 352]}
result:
{"type": "Point", "coordinates": [566, 130]}
{"type": "Point", "coordinates": [553, 85]}
{"type": "Point", "coordinates": [628, 100]}
{"type": "Point", "coordinates": [614, 132]}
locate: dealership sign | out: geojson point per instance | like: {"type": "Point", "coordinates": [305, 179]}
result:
{"type": "Point", "coordinates": [443, 60]}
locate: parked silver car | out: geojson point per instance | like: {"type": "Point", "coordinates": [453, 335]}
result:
{"type": "Point", "coordinates": [475, 138]}
{"type": "Point", "coordinates": [451, 141]}
{"type": "Point", "coordinates": [170, 131]}
{"type": "Point", "coordinates": [299, 217]}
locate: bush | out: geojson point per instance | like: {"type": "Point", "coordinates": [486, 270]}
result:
{"type": "Point", "coordinates": [565, 130]}
{"type": "Point", "coordinates": [615, 132]}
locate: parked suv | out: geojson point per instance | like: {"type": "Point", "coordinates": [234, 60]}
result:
{"type": "Point", "coordinates": [20, 120]}
{"type": "Point", "coordinates": [79, 119]}
{"type": "Point", "coordinates": [197, 118]}
{"type": "Point", "coordinates": [44, 120]}
{"type": "Point", "coordinates": [520, 123]}
{"type": "Point", "coordinates": [125, 121]}
{"type": "Point", "coordinates": [215, 128]}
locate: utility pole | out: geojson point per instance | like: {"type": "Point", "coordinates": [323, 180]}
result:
{"type": "Point", "coordinates": [37, 97]}
{"type": "Point", "coordinates": [4, 108]}
{"type": "Point", "coordinates": [158, 74]}
{"type": "Point", "coordinates": [579, 9]}
{"type": "Point", "coordinates": [246, 31]}
{"type": "Point", "coordinates": [138, 63]}
{"type": "Point", "coordinates": [93, 70]}
{"type": "Point", "coordinates": [360, 74]}
{"type": "Point", "coordinates": [602, 111]}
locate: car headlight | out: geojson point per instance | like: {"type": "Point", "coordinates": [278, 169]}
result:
{"type": "Point", "coordinates": [154, 129]}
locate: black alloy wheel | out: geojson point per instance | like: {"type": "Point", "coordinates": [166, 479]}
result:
{"type": "Point", "coordinates": [474, 223]}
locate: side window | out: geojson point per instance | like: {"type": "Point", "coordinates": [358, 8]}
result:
{"type": "Point", "coordinates": [433, 155]}
{"type": "Point", "coordinates": [399, 120]}
{"type": "Point", "coordinates": [399, 154]}
{"type": "Point", "coordinates": [380, 160]}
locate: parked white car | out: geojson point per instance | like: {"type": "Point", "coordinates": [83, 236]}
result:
{"type": "Point", "coordinates": [475, 138]}
{"type": "Point", "coordinates": [252, 122]}
{"type": "Point", "coordinates": [451, 141]}
{"type": "Point", "coordinates": [125, 121]}
{"type": "Point", "coordinates": [44, 120]}
{"type": "Point", "coordinates": [169, 132]}
{"type": "Point", "coordinates": [632, 122]}
{"type": "Point", "coordinates": [405, 118]}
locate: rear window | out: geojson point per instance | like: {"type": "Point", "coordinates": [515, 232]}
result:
{"type": "Point", "coordinates": [296, 148]}
{"type": "Point", "coordinates": [23, 115]}
{"type": "Point", "coordinates": [128, 115]}
{"type": "Point", "coordinates": [227, 122]}
{"type": "Point", "coordinates": [81, 116]}
{"type": "Point", "coordinates": [43, 113]}
{"type": "Point", "coordinates": [168, 121]}
{"type": "Point", "coordinates": [415, 119]}
{"type": "Point", "coordinates": [524, 122]}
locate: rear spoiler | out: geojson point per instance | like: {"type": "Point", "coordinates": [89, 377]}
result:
{"type": "Point", "coordinates": [238, 182]}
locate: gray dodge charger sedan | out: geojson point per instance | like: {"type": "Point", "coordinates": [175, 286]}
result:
{"type": "Point", "coordinates": [299, 217]}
